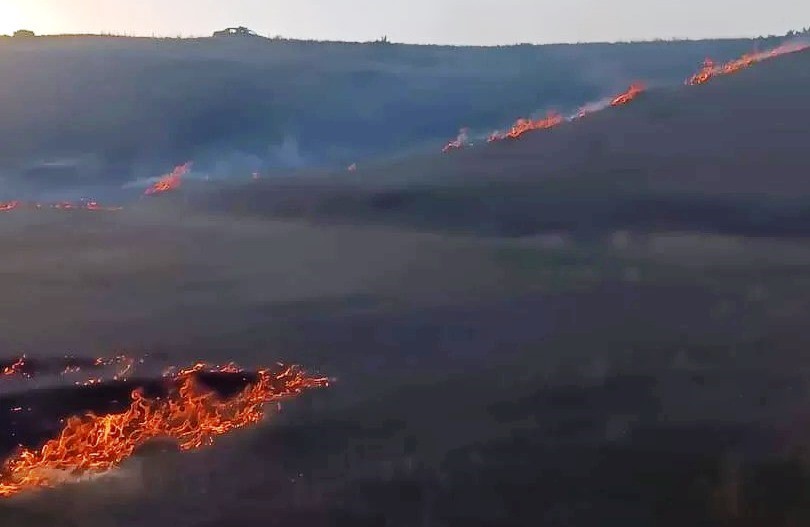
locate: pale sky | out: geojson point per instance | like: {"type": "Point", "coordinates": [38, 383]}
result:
{"type": "Point", "coordinates": [416, 21]}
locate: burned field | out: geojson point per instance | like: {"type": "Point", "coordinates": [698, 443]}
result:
{"type": "Point", "coordinates": [602, 323]}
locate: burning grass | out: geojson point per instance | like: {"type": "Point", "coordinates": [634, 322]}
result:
{"type": "Point", "coordinates": [522, 126]}
{"type": "Point", "coordinates": [171, 181]}
{"type": "Point", "coordinates": [191, 414]}
{"type": "Point", "coordinates": [628, 96]}
{"type": "Point", "coordinates": [711, 69]}
{"type": "Point", "coordinates": [553, 119]}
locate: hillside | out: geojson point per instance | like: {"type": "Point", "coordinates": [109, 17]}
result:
{"type": "Point", "coordinates": [93, 110]}
{"type": "Point", "coordinates": [729, 156]}
{"type": "Point", "coordinates": [599, 324]}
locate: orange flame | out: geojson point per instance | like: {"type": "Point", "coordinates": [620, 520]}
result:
{"type": "Point", "coordinates": [171, 181]}
{"type": "Point", "coordinates": [16, 368]}
{"type": "Point", "coordinates": [632, 92]}
{"type": "Point", "coordinates": [190, 416]}
{"type": "Point", "coordinates": [710, 69]}
{"type": "Point", "coordinates": [523, 126]}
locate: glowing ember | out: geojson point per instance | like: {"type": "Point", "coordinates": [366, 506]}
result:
{"type": "Point", "coordinates": [9, 205]}
{"type": "Point", "coordinates": [62, 205]}
{"type": "Point", "coordinates": [95, 206]}
{"type": "Point", "coordinates": [200, 367]}
{"type": "Point", "coordinates": [632, 92]}
{"type": "Point", "coordinates": [124, 365]}
{"type": "Point", "coordinates": [190, 415]}
{"type": "Point", "coordinates": [522, 126]}
{"type": "Point", "coordinates": [121, 366]}
{"type": "Point", "coordinates": [459, 142]}
{"type": "Point", "coordinates": [170, 181]}
{"type": "Point", "coordinates": [710, 69]}
{"type": "Point", "coordinates": [16, 369]}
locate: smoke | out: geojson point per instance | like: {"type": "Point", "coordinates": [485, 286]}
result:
{"type": "Point", "coordinates": [590, 107]}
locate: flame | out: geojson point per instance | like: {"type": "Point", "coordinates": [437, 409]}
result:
{"type": "Point", "coordinates": [461, 140]}
{"type": "Point", "coordinates": [171, 181]}
{"type": "Point", "coordinates": [632, 92]}
{"type": "Point", "coordinates": [522, 126]}
{"type": "Point", "coordinates": [710, 69]}
{"type": "Point", "coordinates": [15, 369]}
{"type": "Point", "coordinates": [191, 416]}
{"type": "Point", "coordinates": [9, 205]}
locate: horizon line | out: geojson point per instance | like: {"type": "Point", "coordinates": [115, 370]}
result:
{"type": "Point", "coordinates": [384, 41]}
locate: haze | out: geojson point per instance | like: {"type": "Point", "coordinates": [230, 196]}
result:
{"type": "Point", "coordinates": [480, 22]}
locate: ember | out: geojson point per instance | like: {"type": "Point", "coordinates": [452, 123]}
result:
{"type": "Point", "coordinates": [121, 365]}
{"type": "Point", "coordinates": [62, 205]}
{"type": "Point", "coordinates": [190, 415]}
{"type": "Point", "coordinates": [171, 181]}
{"type": "Point", "coordinates": [17, 368]}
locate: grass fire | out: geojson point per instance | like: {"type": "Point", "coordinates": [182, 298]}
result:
{"type": "Point", "coordinates": [171, 181]}
{"type": "Point", "coordinates": [191, 408]}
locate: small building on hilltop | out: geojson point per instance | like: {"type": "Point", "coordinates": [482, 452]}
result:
{"type": "Point", "coordinates": [240, 31]}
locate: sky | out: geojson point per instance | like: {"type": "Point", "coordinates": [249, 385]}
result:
{"type": "Point", "coordinates": [476, 22]}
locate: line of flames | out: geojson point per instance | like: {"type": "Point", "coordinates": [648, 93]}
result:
{"type": "Point", "coordinates": [709, 71]}
{"type": "Point", "coordinates": [190, 416]}
{"type": "Point", "coordinates": [551, 120]}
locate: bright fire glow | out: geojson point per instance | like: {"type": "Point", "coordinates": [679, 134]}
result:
{"type": "Point", "coordinates": [523, 126]}
{"type": "Point", "coordinates": [632, 92]}
{"type": "Point", "coordinates": [171, 181]}
{"type": "Point", "coordinates": [711, 69]}
{"type": "Point", "coordinates": [191, 416]}
{"type": "Point", "coordinates": [15, 369]}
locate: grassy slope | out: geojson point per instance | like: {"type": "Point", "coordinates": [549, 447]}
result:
{"type": "Point", "coordinates": [111, 109]}
{"type": "Point", "coordinates": [725, 157]}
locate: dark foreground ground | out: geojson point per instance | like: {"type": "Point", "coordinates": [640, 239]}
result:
{"type": "Point", "coordinates": [627, 379]}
